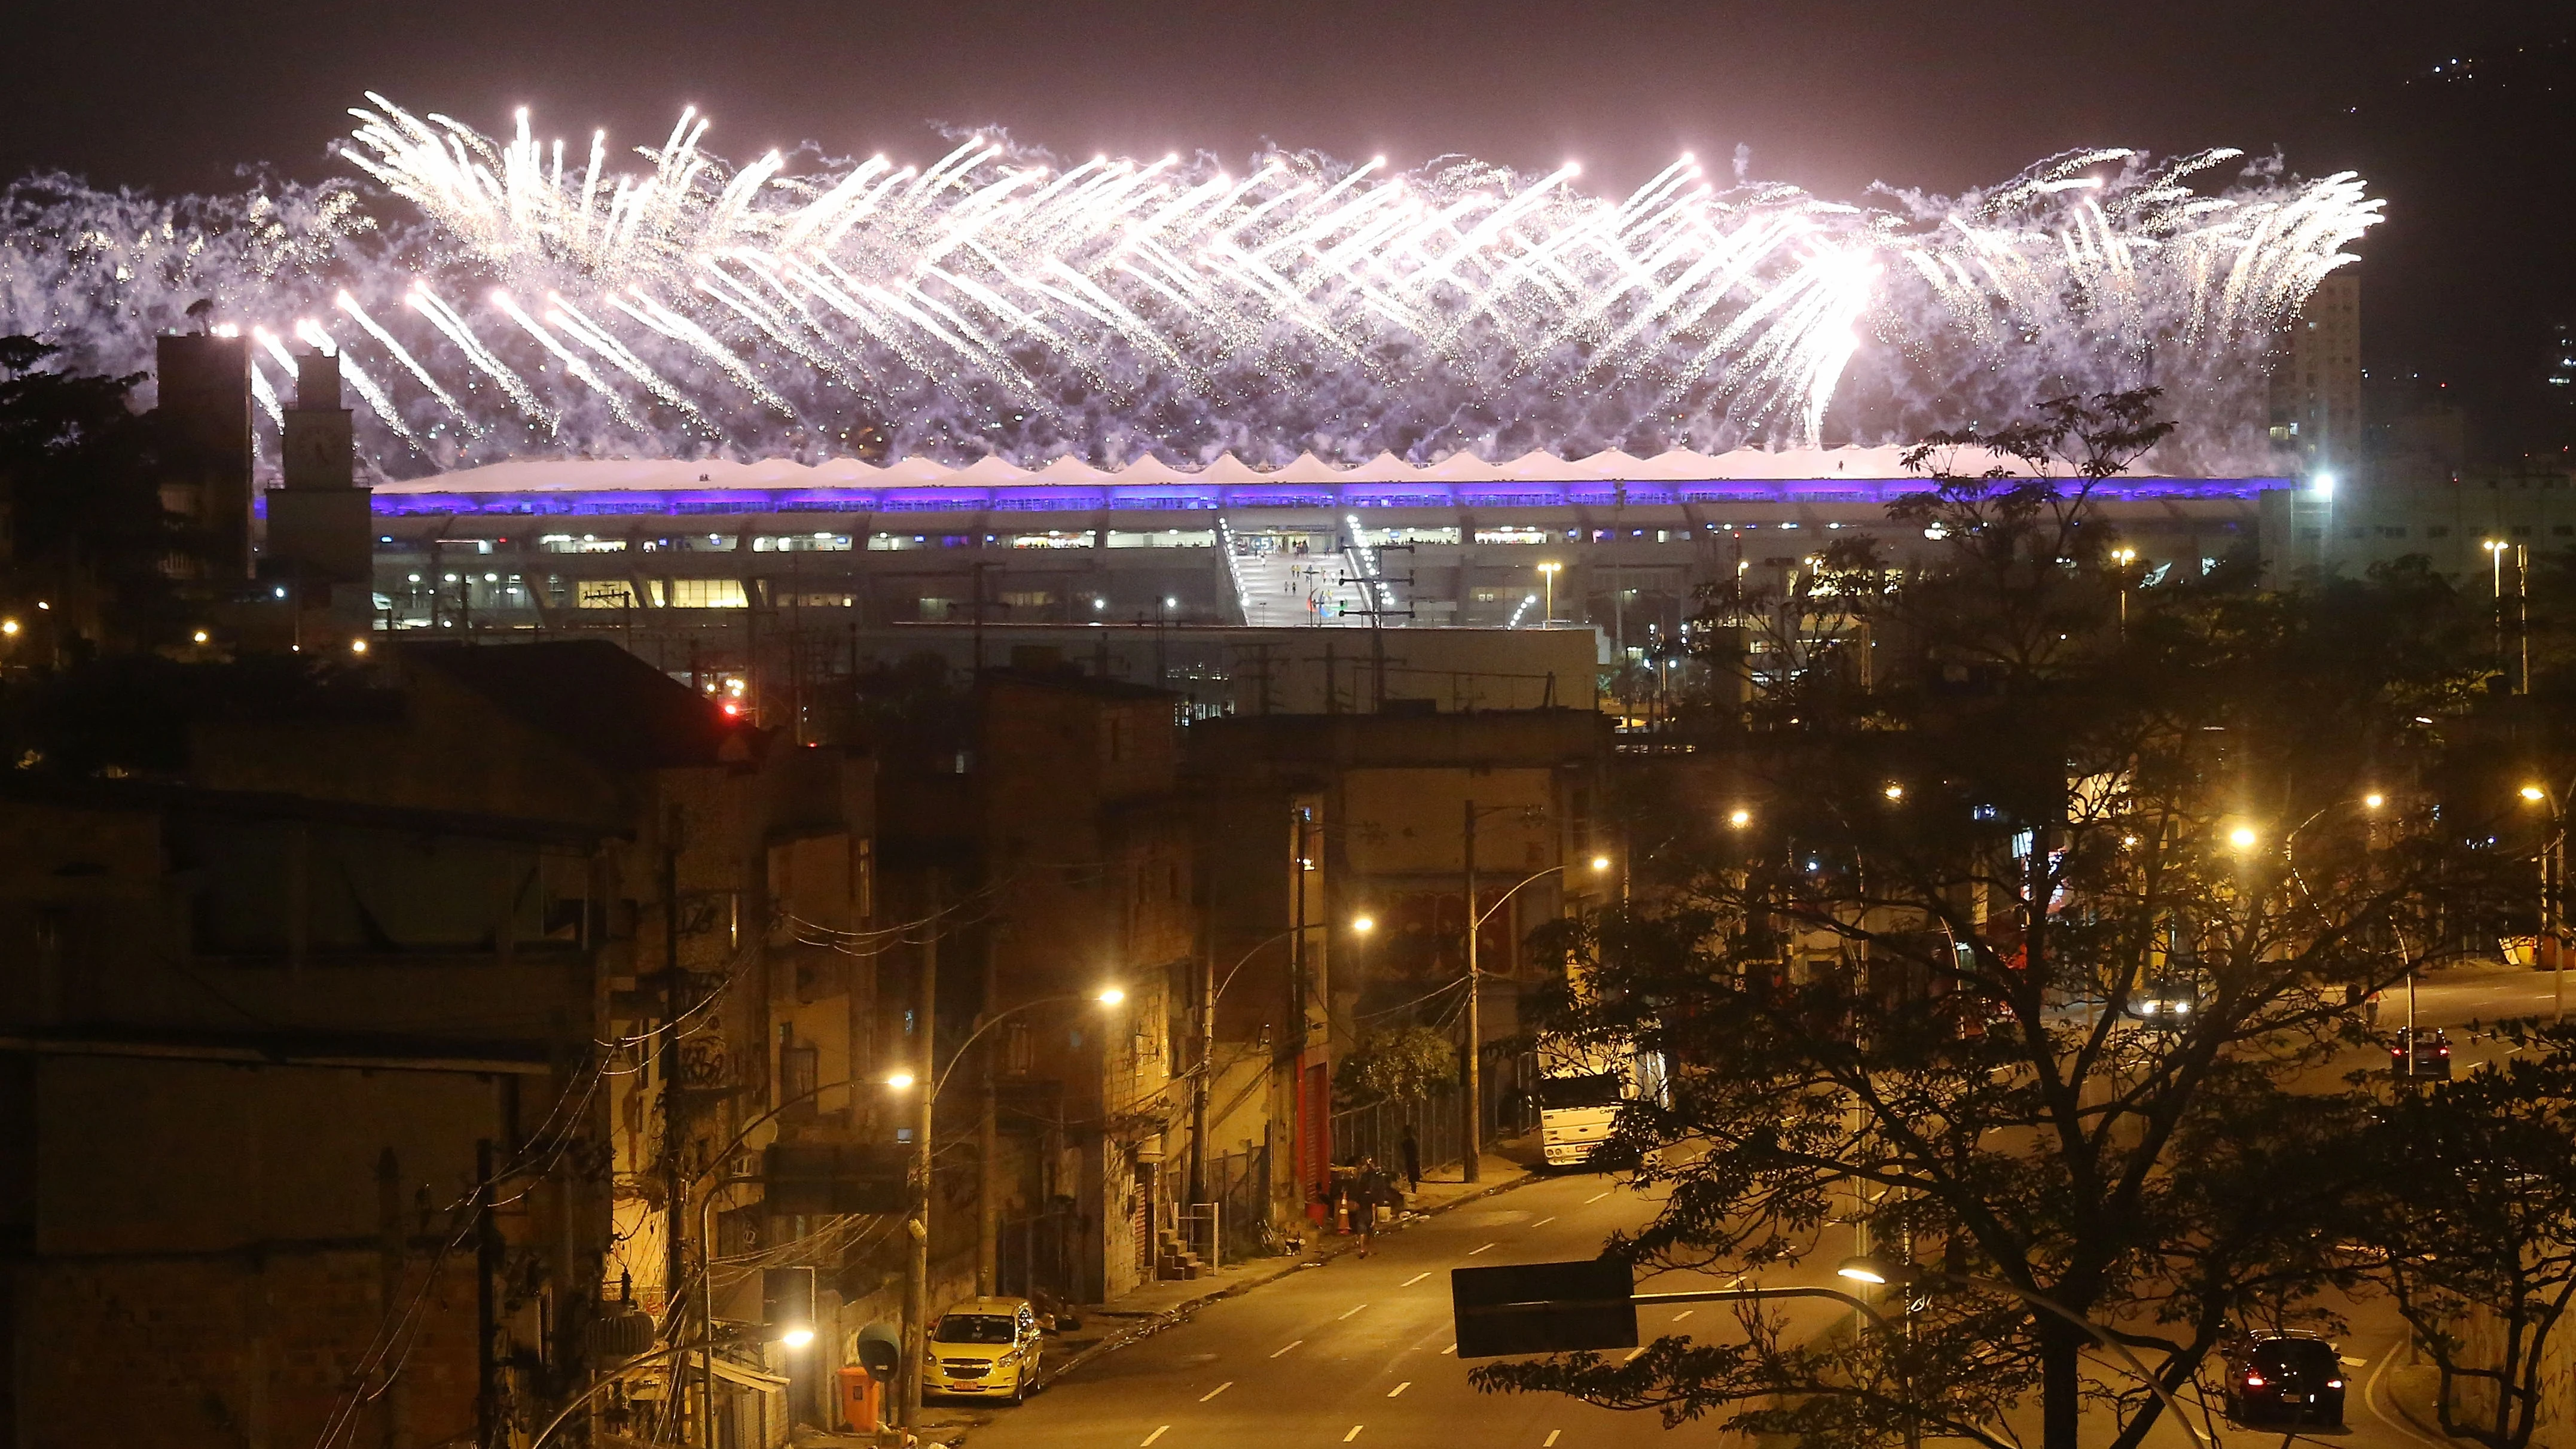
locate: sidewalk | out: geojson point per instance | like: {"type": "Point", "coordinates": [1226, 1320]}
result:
{"type": "Point", "coordinates": [1150, 1309]}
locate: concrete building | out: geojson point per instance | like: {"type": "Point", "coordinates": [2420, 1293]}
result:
{"type": "Point", "coordinates": [384, 1033]}
{"type": "Point", "coordinates": [2316, 392]}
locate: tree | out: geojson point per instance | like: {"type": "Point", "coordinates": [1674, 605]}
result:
{"type": "Point", "coordinates": [2038, 909]}
{"type": "Point", "coordinates": [80, 477]}
{"type": "Point", "coordinates": [1398, 1064]}
{"type": "Point", "coordinates": [2472, 1208]}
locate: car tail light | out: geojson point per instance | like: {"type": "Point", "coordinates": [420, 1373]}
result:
{"type": "Point", "coordinates": [2334, 1383]}
{"type": "Point", "coordinates": [2446, 1051]}
{"type": "Point", "coordinates": [2253, 1380]}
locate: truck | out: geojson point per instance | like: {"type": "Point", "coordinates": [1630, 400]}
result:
{"type": "Point", "coordinates": [1580, 1090]}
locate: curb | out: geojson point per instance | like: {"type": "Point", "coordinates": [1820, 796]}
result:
{"type": "Point", "coordinates": [1184, 1309]}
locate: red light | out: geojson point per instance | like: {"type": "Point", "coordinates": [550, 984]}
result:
{"type": "Point", "coordinates": [2253, 1380]}
{"type": "Point", "coordinates": [732, 710]}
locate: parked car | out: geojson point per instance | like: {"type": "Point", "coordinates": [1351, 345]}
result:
{"type": "Point", "coordinates": [983, 1348]}
{"type": "Point", "coordinates": [2290, 1376]}
{"type": "Point", "coordinates": [2420, 1052]}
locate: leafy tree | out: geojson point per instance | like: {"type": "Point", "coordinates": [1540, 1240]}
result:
{"type": "Point", "coordinates": [2037, 909]}
{"type": "Point", "coordinates": [1399, 1064]}
{"type": "Point", "coordinates": [2472, 1206]}
{"type": "Point", "coordinates": [80, 476]}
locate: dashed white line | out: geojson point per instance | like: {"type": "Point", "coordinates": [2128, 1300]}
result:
{"type": "Point", "coordinates": [1354, 1310]}
{"type": "Point", "coordinates": [1543, 1222]}
{"type": "Point", "coordinates": [1551, 1439]}
{"type": "Point", "coordinates": [1453, 1348]}
{"type": "Point", "coordinates": [1212, 1393]}
{"type": "Point", "coordinates": [1596, 1197]}
{"type": "Point", "coordinates": [1292, 1343]}
{"type": "Point", "coordinates": [1416, 1278]}
{"type": "Point", "coordinates": [1632, 1354]}
{"type": "Point", "coordinates": [1479, 1250]}
{"type": "Point", "coordinates": [1355, 1433]}
{"type": "Point", "coordinates": [1157, 1434]}
{"type": "Point", "coordinates": [1399, 1388]}
{"type": "Point", "coordinates": [1678, 1317]}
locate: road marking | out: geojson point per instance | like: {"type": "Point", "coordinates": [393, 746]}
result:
{"type": "Point", "coordinates": [1596, 1197]}
{"type": "Point", "coordinates": [1551, 1439]}
{"type": "Point", "coordinates": [1346, 1315]}
{"type": "Point", "coordinates": [1453, 1348]}
{"type": "Point", "coordinates": [1212, 1393]}
{"type": "Point", "coordinates": [1355, 1433]}
{"type": "Point", "coordinates": [1479, 1250]}
{"type": "Point", "coordinates": [1678, 1317]}
{"type": "Point", "coordinates": [1157, 1434]}
{"type": "Point", "coordinates": [1292, 1343]}
{"type": "Point", "coordinates": [1543, 1222]}
{"type": "Point", "coordinates": [2354, 1362]}
{"type": "Point", "coordinates": [1399, 1388]}
{"type": "Point", "coordinates": [1632, 1355]}
{"type": "Point", "coordinates": [1416, 1278]}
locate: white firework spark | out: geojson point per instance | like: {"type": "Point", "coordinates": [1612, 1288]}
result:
{"type": "Point", "coordinates": [996, 301]}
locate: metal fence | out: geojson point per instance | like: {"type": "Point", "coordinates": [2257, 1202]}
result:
{"type": "Point", "coordinates": [1377, 1132]}
{"type": "Point", "coordinates": [1239, 1183]}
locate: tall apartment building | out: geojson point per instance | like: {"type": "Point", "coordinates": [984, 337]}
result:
{"type": "Point", "coordinates": [2316, 393]}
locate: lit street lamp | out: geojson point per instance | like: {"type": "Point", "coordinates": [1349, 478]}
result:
{"type": "Point", "coordinates": [1547, 571]}
{"type": "Point", "coordinates": [1475, 1139]}
{"type": "Point", "coordinates": [2553, 881]}
{"type": "Point", "coordinates": [1879, 1271]}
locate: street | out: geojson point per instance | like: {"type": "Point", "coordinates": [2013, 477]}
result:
{"type": "Point", "coordinates": [1358, 1352]}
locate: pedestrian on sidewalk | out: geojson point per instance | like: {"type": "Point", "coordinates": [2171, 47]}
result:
{"type": "Point", "coordinates": [1412, 1151]}
{"type": "Point", "coordinates": [1371, 1191]}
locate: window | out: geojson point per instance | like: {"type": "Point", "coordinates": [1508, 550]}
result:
{"type": "Point", "coordinates": [704, 594]}
{"type": "Point", "coordinates": [2438, 530]}
{"type": "Point", "coordinates": [1056, 538]}
{"type": "Point", "coordinates": [934, 611]}
{"type": "Point", "coordinates": [2392, 532]}
{"type": "Point", "coordinates": [1027, 599]}
{"type": "Point", "coordinates": [1511, 535]}
{"type": "Point", "coordinates": [1163, 538]}
{"type": "Point", "coordinates": [2521, 530]}
{"type": "Point", "coordinates": [605, 594]}
{"type": "Point", "coordinates": [586, 543]}
{"type": "Point", "coordinates": [800, 1072]}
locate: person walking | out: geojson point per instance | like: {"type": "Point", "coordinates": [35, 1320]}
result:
{"type": "Point", "coordinates": [1412, 1151]}
{"type": "Point", "coordinates": [1371, 1190]}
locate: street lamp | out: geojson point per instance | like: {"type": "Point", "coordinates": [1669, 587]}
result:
{"type": "Point", "coordinates": [1547, 571]}
{"type": "Point", "coordinates": [2241, 839]}
{"type": "Point", "coordinates": [1475, 1083]}
{"type": "Point", "coordinates": [2553, 879]}
{"type": "Point", "coordinates": [1880, 1271]}
{"type": "Point", "coordinates": [1739, 818]}
{"type": "Point", "coordinates": [2124, 557]}
{"type": "Point", "coordinates": [916, 1316]}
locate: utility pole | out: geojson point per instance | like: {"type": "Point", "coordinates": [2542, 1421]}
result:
{"type": "Point", "coordinates": [1474, 1140]}
{"type": "Point", "coordinates": [487, 1267]}
{"type": "Point", "coordinates": [667, 1067]}
{"type": "Point", "coordinates": [1206, 1061]}
{"type": "Point", "coordinates": [988, 1179]}
{"type": "Point", "coordinates": [916, 1280]}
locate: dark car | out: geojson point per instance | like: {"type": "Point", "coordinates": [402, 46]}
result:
{"type": "Point", "coordinates": [2290, 1377]}
{"type": "Point", "coordinates": [2166, 1003]}
{"type": "Point", "coordinates": [2420, 1052]}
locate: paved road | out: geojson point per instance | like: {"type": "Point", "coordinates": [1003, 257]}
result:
{"type": "Point", "coordinates": [1354, 1352]}
{"type": "Point", "coordinates": [1359, 1351]}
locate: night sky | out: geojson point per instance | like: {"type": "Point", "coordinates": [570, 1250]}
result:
{"type": "Point", "coordinates": [2465, 286]}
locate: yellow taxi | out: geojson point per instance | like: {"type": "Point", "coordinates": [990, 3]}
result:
{"type": "Point", "coordinates": [983, 1348]}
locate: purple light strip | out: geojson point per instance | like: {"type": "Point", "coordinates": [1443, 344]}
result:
{"type": "Point", "coordinates": [1074, 498]}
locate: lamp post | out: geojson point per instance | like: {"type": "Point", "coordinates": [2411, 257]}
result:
{"type": "Point", "coordinates": [1211, 989]}
{"type": "Point", "coordinates": [1880, 1271]}
{"type": "Point", "coordinates": [2124, 557]}
{"type": "Point", "coordinates": [1547, 572]}
{"type": "Point", "coordinates": [916, 1295]}
{"type": "Point", "coordinates": [2553, 878]}
{"type": "Point", "coordinates": [1474, 1141]}
{"type": "Point", "coordinates": [2495, 556]}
